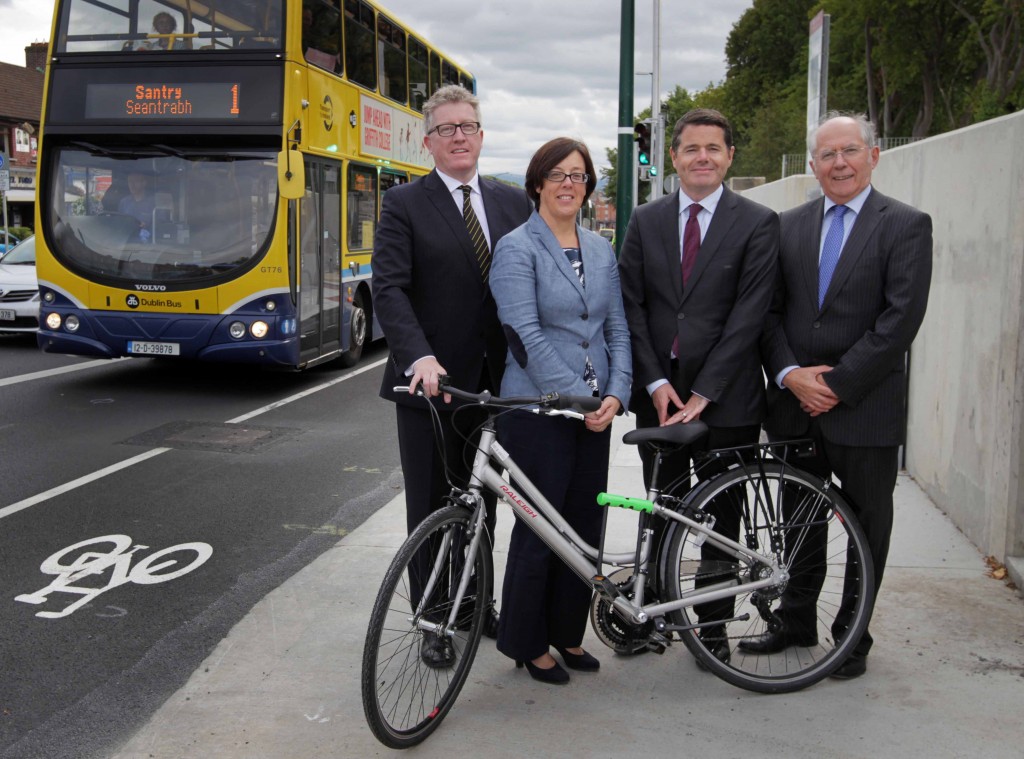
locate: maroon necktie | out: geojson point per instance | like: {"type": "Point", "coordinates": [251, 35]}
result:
{"type": "Point", "coordinates": [691, 241]}
{"type": "Point", "coordinates": [691, 246]}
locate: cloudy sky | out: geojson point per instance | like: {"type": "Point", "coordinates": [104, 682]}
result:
{"type": "Point", "coordinates": [544, 68]}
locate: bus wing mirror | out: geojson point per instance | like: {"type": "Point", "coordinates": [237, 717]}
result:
{"type": "Point", "coordinates": [291, 175]}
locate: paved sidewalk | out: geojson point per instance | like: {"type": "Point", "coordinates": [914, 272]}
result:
{"type": "Point", "coordinates": [945, 678]}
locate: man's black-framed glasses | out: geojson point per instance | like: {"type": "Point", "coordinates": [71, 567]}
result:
{"type": "Point", "coordinates": [559, 176]}
{"type": "Point", "coordinates": [447, 130]}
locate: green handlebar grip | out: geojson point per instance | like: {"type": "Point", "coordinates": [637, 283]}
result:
{"type": "Point", "coordinates": [623, 502]}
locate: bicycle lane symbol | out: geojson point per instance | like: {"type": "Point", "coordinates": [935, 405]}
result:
{"type": "Point", "coordinates": [93, 563]}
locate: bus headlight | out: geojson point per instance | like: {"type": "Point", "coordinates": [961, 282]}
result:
{"type": "Point", "coordinates": [271, 306]}
{"type": "Point", "coordinates": [237, 330]}
{"type": "Point", "coordinates": [259, 329]}
{"type": "Point", "coordinates": [53, 321]}
{"type": "Point", "coordinates": [71, 324]}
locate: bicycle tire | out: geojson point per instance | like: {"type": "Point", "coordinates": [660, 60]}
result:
{"type": "Point", "coordinates": [404, 698]}
{"type": "Point", "coordinates": [807, 507]}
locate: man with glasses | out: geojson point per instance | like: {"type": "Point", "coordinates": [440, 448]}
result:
{"type": "Point", "coordinates": [431, 260]}
{"type": "Point", "coordinates": [697, 269]}
{"type": "Point", "coordinates": [854, 273]}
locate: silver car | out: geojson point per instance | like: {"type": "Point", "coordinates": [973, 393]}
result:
{"type": "Point", "coordinates": [19, 290]}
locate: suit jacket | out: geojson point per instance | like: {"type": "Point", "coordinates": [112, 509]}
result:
{"type": "Point", "coordinates": [428, 295]}
{"type": "Point", "coordinates": [718, 318]}
{"type": "Point", "coordinates": [553, 323]}
{"type": "Point", "coordinates": [873, 308]}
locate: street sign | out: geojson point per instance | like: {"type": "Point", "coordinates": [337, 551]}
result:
{"type": "Point", "coordinates": [5, 180]}
{"type": "Point", "coordinates": [3, 160]}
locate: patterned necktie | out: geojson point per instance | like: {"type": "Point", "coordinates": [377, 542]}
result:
{"type": "Point", "coordinates": [830, 252]}
{"type": "Point", "coordinates": [691, 246]}
{"type": "Point", "coordinates": [691, 241]}
{"type": "Point", "coordinates": [476, 234]}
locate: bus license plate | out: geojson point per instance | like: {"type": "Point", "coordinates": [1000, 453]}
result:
{"type": "Point", "coordinates": [6, 315]}
{"type": "Point", "coordinates": [140, 348]}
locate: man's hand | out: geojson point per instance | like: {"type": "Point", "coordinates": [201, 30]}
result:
{"type": "Point", "coordinates": [689, 412]}
{"type": "Point", "coordinates": [598, 421]}
{"type": "Point", "coordinates": [663, 397]}
{"type": "Point", "coordinates": [425, 372]}
{"type": "Point", "coordinates": [808, 385]}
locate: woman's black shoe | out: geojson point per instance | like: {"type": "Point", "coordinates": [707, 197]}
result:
{"type": "Point", "coordinates": [583, 662]}
{"type": "Point", "coordinates": [552, 676]}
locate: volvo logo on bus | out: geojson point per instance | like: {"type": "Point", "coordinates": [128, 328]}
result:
{"type": "Point", "coordinates": [132, 300]}
{"type": "Point", "coordinates": [151, 288]}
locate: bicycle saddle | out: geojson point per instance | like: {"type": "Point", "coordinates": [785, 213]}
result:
{"type": "Point", "coordinates": [673, 436]}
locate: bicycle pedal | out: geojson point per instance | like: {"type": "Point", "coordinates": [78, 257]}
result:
{"type": "Point", "coordinates": [611, 590]}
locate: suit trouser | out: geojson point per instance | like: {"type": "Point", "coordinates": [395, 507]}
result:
{"type": "Point", "coordinates": [868, 477]}
{"type": "Point", "coordinates": [543, 602]}
{"type": "Point", "coordinates": [423, 466]}
{"type": "Point", "coordinates": [675, 474]}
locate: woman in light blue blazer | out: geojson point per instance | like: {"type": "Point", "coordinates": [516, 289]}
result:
{"type": "Point", "coordinates": [557, 289]}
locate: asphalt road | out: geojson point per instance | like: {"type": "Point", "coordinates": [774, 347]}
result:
{"type": "Point", "coordinates": [252, 473]}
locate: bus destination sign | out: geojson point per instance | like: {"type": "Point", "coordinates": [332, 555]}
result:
{"type": "Point", "coordinates": [162, 101]}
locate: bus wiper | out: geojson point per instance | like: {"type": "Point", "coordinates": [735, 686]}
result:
{"type": "Point", "coordinates": [94, 149]}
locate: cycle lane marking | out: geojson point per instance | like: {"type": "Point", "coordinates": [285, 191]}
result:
{"type": "Point", "coordinates": [59, 370]}
{"type": "Point", "coordinates": [14, 508]}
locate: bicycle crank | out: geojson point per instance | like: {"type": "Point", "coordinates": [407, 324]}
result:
{"type": "Point", "coordinates": [623, 637]}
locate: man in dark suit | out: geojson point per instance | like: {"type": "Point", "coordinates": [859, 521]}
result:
{"type": "Point", "coordinates": [431, 298]}
{"type": "Point", "coordinates": [854, 272]}
{"type": "Point", "coordinates": [697, 269]}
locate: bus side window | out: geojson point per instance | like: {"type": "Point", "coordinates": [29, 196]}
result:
{"type": "Point", "coordinates": [321, 35]}
{"type": "Point", "coordinates": [418, 63]}
{"type": "Point", "coordinates": [391, 47]}
{"type": "Point", "coordinates": [362, 207]}
{"type": "Point", "coordinates": [360, 39]}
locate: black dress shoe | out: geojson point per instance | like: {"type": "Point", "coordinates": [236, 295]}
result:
{"type": "Point", "coordinates": [583, 662]}
{"type": "Point", "coordinates": [854, 666]}
{"type": "Point", "coordinates": [437, 651]}
{"type": "Point", "coordinates": [552, 676]}
{"type": "Point", "coordinates": [773, 642]}
{"type": "Point", "coordinates": [717, 645]}
{"type": "Point", "coordinates": [491, 623]}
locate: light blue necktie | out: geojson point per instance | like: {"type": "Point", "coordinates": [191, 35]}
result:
{"type": "Point", "coordinates": [830, 252]}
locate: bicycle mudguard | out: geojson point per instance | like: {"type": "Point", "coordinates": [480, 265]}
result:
{"type": "Point", "coordinates": [624, 502]}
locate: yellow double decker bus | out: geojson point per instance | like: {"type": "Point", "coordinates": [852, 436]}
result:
{"type": "Point", "coordinates": [211, 171]}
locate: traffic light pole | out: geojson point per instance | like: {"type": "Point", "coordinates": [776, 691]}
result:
{"type": "Point", "coordinates": [657, 130]}
{"type": "Point", "coordinates": [625, 188]}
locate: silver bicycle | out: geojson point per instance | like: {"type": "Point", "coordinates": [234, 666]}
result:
{"type": "Point", "coordinates": [779, 530]}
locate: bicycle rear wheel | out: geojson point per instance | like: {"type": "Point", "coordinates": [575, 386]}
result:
{"type": "Point", "coordinates": [826, 583]}
{"type": "Point", "coordinates": [405, 697]}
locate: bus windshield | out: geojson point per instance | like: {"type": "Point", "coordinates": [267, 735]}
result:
{"type": "Point", "coordinates": [104, 26]}
{"type": "Point", "coordinates": [175, 219]}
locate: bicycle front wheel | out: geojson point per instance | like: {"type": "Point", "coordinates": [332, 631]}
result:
{"type": "Point", "coordinates": [823, 597]}
{"type": "Point", "coordinates": [411, 676]}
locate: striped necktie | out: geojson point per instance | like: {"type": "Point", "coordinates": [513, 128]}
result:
{"type": "Point", "coordinates": [476, 234]}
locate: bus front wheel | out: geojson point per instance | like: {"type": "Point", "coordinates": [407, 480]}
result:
{"type": "Point", "coordinates": [358, 332]}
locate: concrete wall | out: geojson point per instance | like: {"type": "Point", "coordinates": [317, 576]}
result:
{"type": "Point", "coordinates": [964, 443]}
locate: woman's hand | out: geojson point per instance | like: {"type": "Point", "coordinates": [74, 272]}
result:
{"type": "Point", "coordinates": [598, 421]}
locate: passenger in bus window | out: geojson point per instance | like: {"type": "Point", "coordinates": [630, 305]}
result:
{"type": "Point", "coordinates": [164, 24]}
{"type": "Point", "coordinates": [139, 203]}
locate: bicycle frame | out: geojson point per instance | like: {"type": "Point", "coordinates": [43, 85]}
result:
{"type": "Point", "coordinates": [539, 515]}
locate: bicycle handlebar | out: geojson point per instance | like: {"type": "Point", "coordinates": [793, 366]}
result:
{"type": "Point", "coordinates": [574, 403]}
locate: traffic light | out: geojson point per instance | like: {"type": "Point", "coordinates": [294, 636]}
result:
{"type": "Point", "coordinates": [642, 135]}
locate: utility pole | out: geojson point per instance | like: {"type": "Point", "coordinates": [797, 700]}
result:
{"type": "Point", "coordinates": [657, 127]}
{"type": "Point", "coordinates": [626, 179]}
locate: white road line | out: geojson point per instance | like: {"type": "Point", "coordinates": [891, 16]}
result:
{"type": "Point", "coordinates": [68, 486]}
{"type": "Point", "coordinates": [100, 473]}
{"type": "Point", "coordinates": [60, 370]}
{"type": "Point", "coordinates": [304, 393]}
